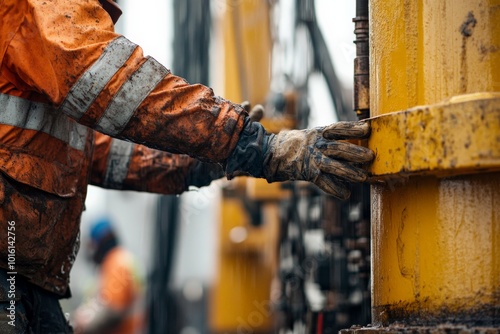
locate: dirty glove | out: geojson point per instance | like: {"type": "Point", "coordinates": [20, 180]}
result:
{"type": "Point", "coordinates": [315, 155]}
{"type": "Point", "coordinates": [312, 155]}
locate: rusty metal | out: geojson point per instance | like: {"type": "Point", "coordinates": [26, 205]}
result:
{"type": "Point", "coordinates": [362, 61]}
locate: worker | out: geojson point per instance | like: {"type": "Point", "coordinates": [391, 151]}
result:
{"type": "Point", "coordinates": [81, 104]}
{"type": "Point", "coordinates": [115, 308]}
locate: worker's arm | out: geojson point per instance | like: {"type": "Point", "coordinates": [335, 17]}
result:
{"type": "Point", "coordinates": [66, 53]}
{"type": "Point", "coordinates": [103, 81]}
{"type": "Point", "coordinates": [118, 164]}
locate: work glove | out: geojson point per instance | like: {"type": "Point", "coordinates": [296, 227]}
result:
{"type": "Point", "coordinates": [203, 173]}
{"type": "Point", "coordinates": [317, 155]}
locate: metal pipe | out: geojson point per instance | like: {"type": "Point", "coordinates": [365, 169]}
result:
{"type": "Point", "coordinates": [434, 69]}
{"type": "Point", "coordinates": [362, 61]}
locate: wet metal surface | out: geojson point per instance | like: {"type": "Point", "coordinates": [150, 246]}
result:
{"type": "Point", "coordinates": [420, 53]}
{"type": "Point", "coordinates": [435, 250]}
{"type": "Point", "coordinates": [456, 137]}
{"type": "Point", "coordinates": [435, 218]}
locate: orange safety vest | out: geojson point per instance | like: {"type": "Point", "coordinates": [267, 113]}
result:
{"type": "Point", "coordinates": [119, 289]}
{"type": "Point", "coordinates": [65, 73]}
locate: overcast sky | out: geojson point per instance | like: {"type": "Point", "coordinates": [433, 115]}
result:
{"type": "Point", "coordinates": [149, 23]}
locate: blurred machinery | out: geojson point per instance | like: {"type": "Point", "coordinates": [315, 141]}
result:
{"type": "Point", "coordinates": [416, 252]}
{"type": "Point", "coordinates": [167, 310]}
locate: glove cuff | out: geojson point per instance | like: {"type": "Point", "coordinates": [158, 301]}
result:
{"type": "Point", "coordinates": [247, 159]}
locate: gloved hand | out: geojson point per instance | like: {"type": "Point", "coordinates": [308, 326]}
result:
{"type": "Point", "coordinates": [317, 156]}
{"type": "Point", "coordinates": [313, 155]}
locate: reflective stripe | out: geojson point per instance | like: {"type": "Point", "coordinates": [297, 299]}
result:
{"type": "Point", "coordinates": [130, 96]}
{"type": "Point", "coordinates": [89, 86]}
{"type": "Point", "coordinates": [118, 162]}
{"type": "Point", "coordinates": [25, 114]}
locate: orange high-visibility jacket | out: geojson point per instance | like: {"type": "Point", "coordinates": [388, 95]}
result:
{"type": "Point", "coordinates": [119, 289]}
{"type": "Point", "coordinates": [81, 104]}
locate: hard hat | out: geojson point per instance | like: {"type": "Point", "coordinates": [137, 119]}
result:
{"type": "Point", "coordinates": [112, 8]}
{"type": "Point", "coordinates": [100, 229]}
{"type": "Point", "coordinates": [102, 239]}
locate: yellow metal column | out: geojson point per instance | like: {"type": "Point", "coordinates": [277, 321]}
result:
{"type": "Point", "coordinates": [240, 300]}
{"type": "Point", "coordinates": [434, 83]}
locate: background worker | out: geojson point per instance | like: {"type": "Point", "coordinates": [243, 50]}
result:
{"type": "Point", "coordinates": [80, 104]}
{"type": "Point", "coordinates": [115, 308]}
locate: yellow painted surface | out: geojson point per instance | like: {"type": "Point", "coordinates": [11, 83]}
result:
{"type": "Point", "coordinates": [261, 190]}
{"type": "Point", "coordinates": [275, 125]}
{"type": "Point", "coordinates": [239, 299]}
{"type": "Point", "coordinates": [436, 242]}
{"type": "Point", "coordinates": [247, 41]}
{"type": "Point", "coordinates": [435, 239]}
{"type": "Point", "coordinates": [455, 137]}
{"type": "Point", "coordinates": [419, 56]}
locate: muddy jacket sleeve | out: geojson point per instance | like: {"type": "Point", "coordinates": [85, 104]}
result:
{"type": "Point", "coordinates": [66, 53]}
{"type": "Point", "coordinates": [118, 164]}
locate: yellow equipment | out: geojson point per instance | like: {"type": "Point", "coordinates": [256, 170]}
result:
{"type": "Point", "coordinates": [247, 254]}
{"type": "Point", "coordinates": [435, 103]}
